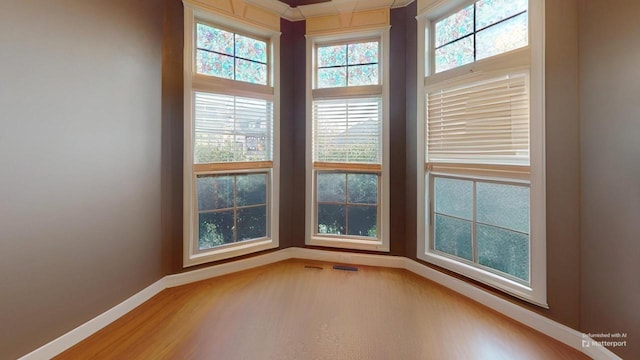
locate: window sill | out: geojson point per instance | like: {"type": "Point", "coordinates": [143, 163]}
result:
{"type": "Point", "coordinates": [496, 281]}
{"type": "Point", "coordinates": [228, 251]}
{"type": "Point", "coordinates": [348, 243]}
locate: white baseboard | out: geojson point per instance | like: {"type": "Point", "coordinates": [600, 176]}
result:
{"type": "Point", "coordinates": [527, 317]}
{"type": "Point", "coordinates": [226, 268]}
{"type": "Point", "coordinates": [396, 262]}
{"type": "Point", "coordinates": [92, 326]}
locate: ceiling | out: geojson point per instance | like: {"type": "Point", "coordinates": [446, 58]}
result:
{"type": "Point", "coordinates": [294, 3]}
{"type": "Point", "coordinates": [296, 10]}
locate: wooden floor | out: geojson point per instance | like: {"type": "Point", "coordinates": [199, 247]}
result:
{"type": "Point", "coordinates": [307, 310]}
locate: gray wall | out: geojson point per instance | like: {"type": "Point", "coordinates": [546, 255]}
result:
{"type": "Point", "coordinates": [286, 131]}
{"type": "Point", "coordinates": [172, 135]}
{"type": "Point", "coordinates": [397, 131]}
{"type": "Point", "coordinates": [298, 112]}
{"type": "Point", "coordinates": [610, 169]}
{"type": "Point", "coordinates": [411, 126]}
{"type": "Point", "coordinates": [563, 161]}
{"type": "Point", "coordinates": [80, 162]}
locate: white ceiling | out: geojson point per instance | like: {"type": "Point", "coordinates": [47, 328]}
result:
{"type": "Point", "coordinates": [332, 7]}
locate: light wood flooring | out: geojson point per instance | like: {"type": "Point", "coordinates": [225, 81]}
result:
{"type": "Point", "coordinates": [300, 309]}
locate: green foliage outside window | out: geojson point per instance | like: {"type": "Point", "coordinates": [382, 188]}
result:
{"type": "Point", "coordinates": [347, 203]}
{"type": "Point", "coordinates": [231, 208]}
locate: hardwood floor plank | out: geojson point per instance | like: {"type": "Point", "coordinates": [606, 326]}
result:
{"type": "Point", "coordinates": [289, 311]}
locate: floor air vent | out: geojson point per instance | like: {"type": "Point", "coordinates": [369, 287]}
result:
{"type": "Point", "coordinates": [345, 268]}
{"type": "Point", "coordinates": [313, 267]}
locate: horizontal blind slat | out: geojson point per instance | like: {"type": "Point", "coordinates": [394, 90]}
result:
{"type": "Point", "coordinates": [232, 128]}
{"type": "Point", "coordinates": [480, 121]}
{"type": "Point", "coordinates": [347, 130]}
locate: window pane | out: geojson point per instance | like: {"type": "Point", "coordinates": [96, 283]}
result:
{"type": "Point", "coordinates": [251, 49]}
{"type": "Point", "coordinates": [363, 53]}
{"type": "Point", "coordinates": [213, 64]}
{"type": "Point", "coordinates": [503, 205]}
{"type": "Point", "coordinates": [210, 148]}
{"type": "Point", "coordinates": [331, 187]}
{"type": "Point", "coordinates": [332, 55]}
{"type": "Point", "coordinates": [251, 189]}
{"type": "Point", "coordinates": [347, 130]}
{"type": "Point", "coordinates": [251, 72]}
{"type": "Point", "coordinates": [331, 219]}
{"type": "Point", "coordinates": [363, 220]}
{"type": "Point", "coordinates": [254, 128]}
{"type": "Point", "coordinates": [503, 250]}
{"type": "Point", "coordinates": [252, 223]}
{"type": "Point", "coordinates": [491, 11]}
{"type": "Point", "coordinates": [232, 128]}
{"type": "Point", "coordinates": [363, 75]}
{"type": "Point", "coordinates": [454, 197]}
{"type": "Point", "coordinates": [455, 54]}
{"type": "Point", "coordinates": [332, 77]}
{"type": "Point", "coordinates": [453, 236]}
{"type": "Point", "coordinates": [363, 188]}
{"type": "Point", "coordinates": [214, 192]}
{"type": "Point", "coordinates": [503, 37]}
{"type": "Point", "coordinates": [215, 229]}
{"type": "Point", "coordinates": [214, 39]}
{"type": "Point", "coordinates": [454, 26]}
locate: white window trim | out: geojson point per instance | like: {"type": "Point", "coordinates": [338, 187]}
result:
{"type": "Point", "coordinates": [194, 82]}
{"type": "Point", "coordinates": [536, 293]}
{"type": "Point", "coordinates": [382, 244]}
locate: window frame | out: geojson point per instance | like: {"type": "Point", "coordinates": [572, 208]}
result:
{"type": "Point", "coordinates": [347, 66]}
{"type": "Point", "coordinates": [195, 82]}
{"type": "Point", "coordinates": [382, 91]}
{"type": "Point", "coordinates": [235, 207]}
{"type": "Point", "coordinates": [241, 32]}
{"type": "Point", "coordinates": [536, 291]}
{"type": "Point", "coordinates": [451, 8]}
{"type": "Point", "coordinates": [475, 262]}
{"type": "Point", "coordinates": [347, 203]}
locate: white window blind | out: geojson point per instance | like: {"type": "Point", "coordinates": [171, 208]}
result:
{"type": "Point", "coordinates": [347, 130]}
{"type": "Point", "coordinates": [232, 128]}
{"type": "Point", "coordinates": [484, 121]}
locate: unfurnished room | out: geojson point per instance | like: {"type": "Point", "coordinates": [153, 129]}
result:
{"type": "Point", "coordinates": [319, 179]}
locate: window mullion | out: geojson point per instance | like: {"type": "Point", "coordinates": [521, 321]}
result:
{"type": "Point", "coordinates": [235, 209]}
{"type": "Point", "coordinates": [472, 33]}
{"type": "Point", "coordinates": [503, 20]}
{"type": "Point", "coordinates": [475, 7]}
{"type": "Point", "coordinates": [474, 240]}
{"type": "Point", "coordinates": [235, 58]}
{"type": "Point", "coordinates": [432, 216]}
{"type": "Point", "coordinates": [346, 204]}
{"type": "Point", "coordinates": [347, 65]}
